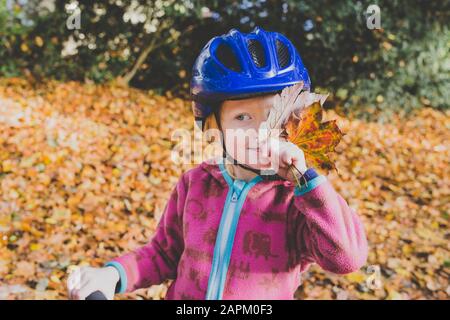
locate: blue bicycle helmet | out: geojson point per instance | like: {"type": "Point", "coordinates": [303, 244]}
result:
{"type": "Point", "coordinates": [239, 65]}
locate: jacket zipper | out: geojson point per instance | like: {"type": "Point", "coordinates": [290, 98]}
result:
{"type": "Point", "coordinates": [237, 193]}
{"type": "Point", "coordinates": [218, 270]}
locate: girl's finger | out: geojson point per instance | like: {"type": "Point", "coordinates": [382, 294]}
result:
{"type": "Point", "coordinates": [84, 274]}
{"type": "Point", "coordinates": [84, 282]}
{"type": "Point", "coordinates": [69, 293]}
{"type": "Point", "coordinates": [263, 146]}
{"type": "Point", "coordinates": [73, 294]}
{"type": "Point", "coordinates": [291, 154]}
{"type": "Point", "coordinates": [263, 152]}
{"type": "Point", "coordinates": [73, 279]}
{"type": "Point", "coordinates": [70, 285]}
{"type": "Point", "coordinates": [286, 159]}
{"type": "Point", "coordinates": [275, 152]}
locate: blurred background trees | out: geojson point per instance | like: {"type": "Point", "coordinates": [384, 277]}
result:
{"type": "Point", "coordinates": [86, 167]}
{"type": "Point", "coordinates": [153, 44]}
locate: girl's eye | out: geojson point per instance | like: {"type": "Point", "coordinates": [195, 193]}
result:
{"type": "Point", "coordinates": [242, 117]}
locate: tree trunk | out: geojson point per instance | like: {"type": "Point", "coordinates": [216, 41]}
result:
{"type": "Point", "coordinates": [152, 46]}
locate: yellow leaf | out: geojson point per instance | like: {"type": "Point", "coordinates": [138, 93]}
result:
{"type": "Point", "coordinates": [407, 249]}
{"type": "Point", "coordinates": [55, 279]}
{"type": "Point", "coordinates": [24, 47]}
{"type": "Point", "coordinates": [28, 228]}
{"type": "Point", "coordinates": [51, 221]}
{"type": "Point", "coordinates": [46, 159]}
{"type": "Point", "coordinates": [35, 246]}
{"type": "Point", "coordinates": [394, 295]}
{"type": "Point", "coordinates": [39, 42]}
{"type": "Point", "coordinates": [7, 166]}
{"type": "Point", "coordinates": [355, 277]}
{"type": "Point", "coordinates": [116, 172]}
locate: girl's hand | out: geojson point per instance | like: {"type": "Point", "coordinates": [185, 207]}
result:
{"type": "Point", "coordinates": [280, 154]}
{"type": "Point", "coordinates": [86, 280]}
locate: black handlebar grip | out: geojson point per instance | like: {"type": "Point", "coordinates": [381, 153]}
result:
{"type": "Point", "coordinates": [96, 295]}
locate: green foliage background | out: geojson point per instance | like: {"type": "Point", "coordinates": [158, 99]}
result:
{"type": "Point", "coordinates": [402, 66]}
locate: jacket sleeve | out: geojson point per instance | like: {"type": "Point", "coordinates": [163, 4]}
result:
{"type": "Point", "coordinates": [328, 231]}
{"type": "Point", "coordinates": [156, 261]}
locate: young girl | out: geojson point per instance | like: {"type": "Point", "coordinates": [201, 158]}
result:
{"type": "Point", "coordinates": [229, 231]}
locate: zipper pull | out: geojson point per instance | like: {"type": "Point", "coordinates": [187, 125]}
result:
{"type": "Point", "coordinates": [234, 197]}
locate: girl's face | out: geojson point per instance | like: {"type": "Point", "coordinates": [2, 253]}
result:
{"type": "Point", "coordinates": [240, 121]}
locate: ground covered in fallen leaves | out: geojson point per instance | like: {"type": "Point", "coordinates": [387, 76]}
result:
{"type": "Point", "coordinates": [85, 173]}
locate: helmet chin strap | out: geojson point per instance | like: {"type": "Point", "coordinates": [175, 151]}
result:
{"type": "Point", "coordinates": [235, 162]}
{"type": "Point", "coordinates": [273, 176]}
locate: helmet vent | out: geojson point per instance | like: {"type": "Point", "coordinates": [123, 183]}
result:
{"type": "Point", "coordinates": [282, 54]}
{"type": "Point", "coordinates": [227, 57]}
{"type": "Point", "coordinates": [256, 52]}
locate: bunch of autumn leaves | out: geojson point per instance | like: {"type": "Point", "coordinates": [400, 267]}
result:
{"type": "Point", "coordinates": [297, 115]}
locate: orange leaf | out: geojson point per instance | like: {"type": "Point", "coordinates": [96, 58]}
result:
{"type": "Point", "coordinates": [305, 129]}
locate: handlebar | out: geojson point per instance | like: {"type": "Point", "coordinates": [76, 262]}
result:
{"type": "Point", "coordinates": [96, 295]}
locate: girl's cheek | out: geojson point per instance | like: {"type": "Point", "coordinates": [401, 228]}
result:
{"type": "Point", "coordinates": [235, 146]}
{"type": "Point", "coordinates": [243, 151]}
{"type": "Point", "coordinates": [241, 141]}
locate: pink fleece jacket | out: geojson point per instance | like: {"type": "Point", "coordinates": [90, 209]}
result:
{"type": "Point", "coordinates": [280, 230]}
